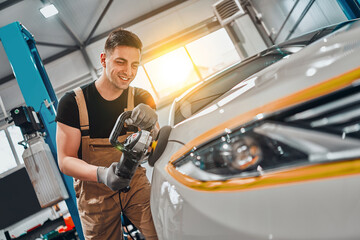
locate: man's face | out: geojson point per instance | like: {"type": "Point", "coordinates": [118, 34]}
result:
{"type": "Point", "coordinates": [121, 65]}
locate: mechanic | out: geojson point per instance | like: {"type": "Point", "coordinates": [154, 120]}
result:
{"type": "Point", "coordinates": [85, 118]}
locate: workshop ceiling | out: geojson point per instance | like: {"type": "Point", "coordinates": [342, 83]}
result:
{"type": "Point", "coordinates": [78, 24]}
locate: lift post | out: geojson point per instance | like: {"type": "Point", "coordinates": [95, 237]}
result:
{"type": "Point", "coordinates": [36, 88]}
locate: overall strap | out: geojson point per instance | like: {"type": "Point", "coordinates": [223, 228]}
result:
{"type": "Point", "coordinates": [83, 113]}
{"type": "Point", "coordinates": [130, 100]}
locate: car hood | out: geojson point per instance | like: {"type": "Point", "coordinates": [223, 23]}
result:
{"type": "Point", "coordinates": [330, 57]}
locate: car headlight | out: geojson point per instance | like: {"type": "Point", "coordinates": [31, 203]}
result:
{"type": "Point", "coordinates": [241, 152]}
{"type": "Point", "coordinates": [282, 140]}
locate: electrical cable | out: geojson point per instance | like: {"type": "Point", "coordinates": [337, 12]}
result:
{"type": "Point", "coordinates": [122, 210]}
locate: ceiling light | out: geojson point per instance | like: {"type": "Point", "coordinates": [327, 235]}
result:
{"type": "Point", "coordinates": [49, 10]}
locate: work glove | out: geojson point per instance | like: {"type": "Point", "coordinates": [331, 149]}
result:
{"type": "Point", "coordinates": [108, 177]}
{"type": "Point", "coordinates": [143, 116]}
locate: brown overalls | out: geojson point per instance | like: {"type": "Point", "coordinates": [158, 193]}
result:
{"type": "Point", "coordinates": [98, 205]}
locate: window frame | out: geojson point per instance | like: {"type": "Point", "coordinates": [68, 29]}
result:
{"type": "Point", "coordinates": [13, 150]}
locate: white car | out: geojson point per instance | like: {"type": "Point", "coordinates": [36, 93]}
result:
{"type": "Point", "coordinates": [276, 156]}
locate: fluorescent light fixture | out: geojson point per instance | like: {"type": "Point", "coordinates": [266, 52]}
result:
{"type": "Point", "coordinates": [49, 10]}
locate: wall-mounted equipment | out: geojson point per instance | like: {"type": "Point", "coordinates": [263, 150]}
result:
{"type": "Point", "coordinates": [27, 119]}
{"type": "Point", "coordinates": [227, 10]}
{"type": "Point", "coordinates": [243, 25]}
{"type": "Point", "coordinates": [39, 161]}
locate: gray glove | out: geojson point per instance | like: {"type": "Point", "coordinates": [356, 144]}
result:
{"type": "Point", "coordinates": [108, 177]}
{"type": "Point", "coordinates": [143, 116]}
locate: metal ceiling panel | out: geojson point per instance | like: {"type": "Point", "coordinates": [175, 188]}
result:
{"type": "Point", "coordinates": [60, 34]}
{"type": "Point", "coordinates": [80, 15]}
{"type": "Point", "coordinates": [44, 30]}
{"type": "Point", "coordinates": [122, 11]}
{"type": "Point", "coordinates": [27, 12]}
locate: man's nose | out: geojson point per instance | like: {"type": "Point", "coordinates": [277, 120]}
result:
{"type": "Point", "coordinates": [128, 69]}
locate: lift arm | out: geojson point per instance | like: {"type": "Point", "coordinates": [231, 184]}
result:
{"type": "Point", "coordinates": [36, 88]}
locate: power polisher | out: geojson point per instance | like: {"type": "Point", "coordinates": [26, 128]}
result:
{"type": "Point", "coordinates": [138, 147]}
{"type": "Point", "coordinates": [134, 149]}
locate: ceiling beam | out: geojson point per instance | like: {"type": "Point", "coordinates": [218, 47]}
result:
{"type": "Point", "coordinates": [286, 19]}
{"type": "Point", "coordinates": [304, 12]}
{"type": "Point", "coordinates": [58, 55]}
{"type": "Point", "coordinates": [45, 61]}
{"type": "Point", "coordinates": [8, 3]}
{"type": "Point", "coordinates": [98, 22]}
{"type": "Point", "coordinates": [179, 39]}
{"type": "Point", "coordinates": [138, 19]}
{"type": "Point", "coordinates": [7, 78]}
{"type": "Point", "coordinates": [56, 45]}
{"type": "Point", "coordinates": [69, 31]}
{"type": "Point", "coordinates": [81, 47]}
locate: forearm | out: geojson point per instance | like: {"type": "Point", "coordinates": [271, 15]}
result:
{"type": "Point", "coordinates": [78, 168]}
{"type": "Point", "coordinates": [68, 142]}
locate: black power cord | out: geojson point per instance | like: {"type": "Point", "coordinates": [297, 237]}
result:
{"type": "Point", "coordinates": [122, 210]}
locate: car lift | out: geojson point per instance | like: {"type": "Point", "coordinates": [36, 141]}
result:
{"type": "Point", "coordinates": [36, 88]}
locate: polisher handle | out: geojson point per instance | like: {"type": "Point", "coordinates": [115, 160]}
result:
{"type": "Point", "coordinates": [117, 130]}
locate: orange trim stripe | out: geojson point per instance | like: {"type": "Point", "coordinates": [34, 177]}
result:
{"type": "Point", "coordinates": [318, 90]}
{"type": "Point", "coordinates": [285, 177]}
{"type": "Point", "coordinates": [310, 93]}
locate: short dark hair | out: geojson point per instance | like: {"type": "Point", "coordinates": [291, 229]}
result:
{"type": "Point", "coordinates": [122, 37]}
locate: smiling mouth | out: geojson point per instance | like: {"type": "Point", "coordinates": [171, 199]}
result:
{"type": "Point", "coordinates": [124, 78]}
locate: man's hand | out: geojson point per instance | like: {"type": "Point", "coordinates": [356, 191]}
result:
{"type": "Point", "coordinates": [108, 177]}
{"type": "Point", "coordinates": [143, 117]}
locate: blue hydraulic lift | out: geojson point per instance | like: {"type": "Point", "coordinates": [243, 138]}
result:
{"type": "Point", "coordinates": [351, 8]}
{"type": "Point", "coordinates": [36, 88]}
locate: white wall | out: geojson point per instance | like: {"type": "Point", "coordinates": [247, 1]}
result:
{"type": "Point", "coordinates": [248, 35]}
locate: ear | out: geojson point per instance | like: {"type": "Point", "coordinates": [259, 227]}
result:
{"type": "Point", "coordinates": [103, 59]}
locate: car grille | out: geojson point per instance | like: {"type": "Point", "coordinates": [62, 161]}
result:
{"type": "Point", "coordinates": [338, 113]}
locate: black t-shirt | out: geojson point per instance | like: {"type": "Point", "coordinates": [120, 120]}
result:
{"type": "Point", "coordinates": [102, 113]}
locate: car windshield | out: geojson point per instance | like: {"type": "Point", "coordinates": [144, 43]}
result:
{"type": "Point", "coordinates": [224, 81]}
{"type": "Point", "coordinates": [210, 89]}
